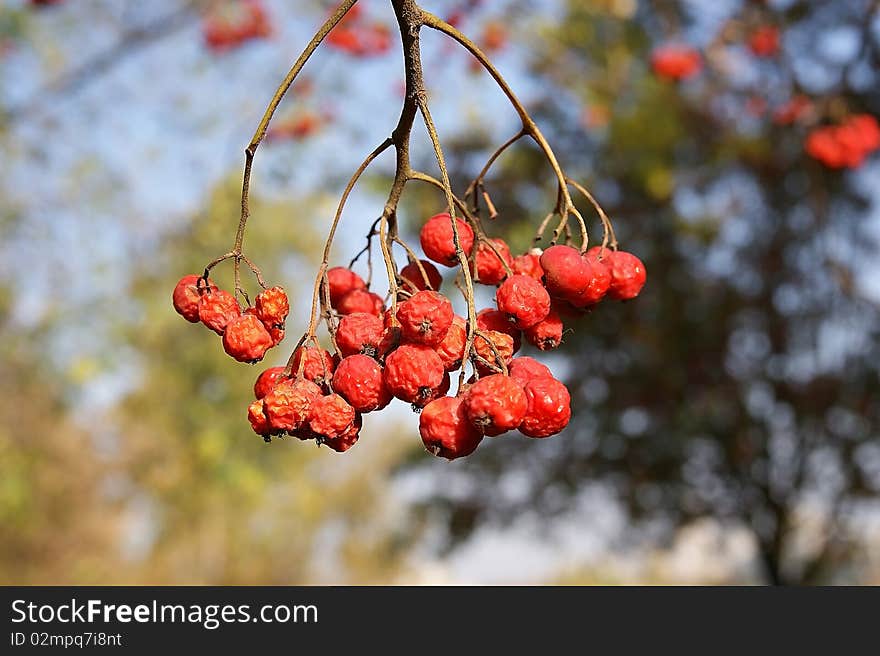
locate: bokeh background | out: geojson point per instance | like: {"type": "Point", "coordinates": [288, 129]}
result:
{"type": "Point", "coordinates": [726, 422]}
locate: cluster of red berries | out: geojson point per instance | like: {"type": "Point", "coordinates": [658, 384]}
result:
{"type": "Point", "coordinates": [246, 20]}
{"type": "Point", "coordinates": [247, 334]}
{"type": "Point", "coordinates": [845, 145]}
{"type": "Point", "coordinates": [410, 356]}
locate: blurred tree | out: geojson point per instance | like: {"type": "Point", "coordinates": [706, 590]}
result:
{"type": "Point", "coordinates": [743, 383]}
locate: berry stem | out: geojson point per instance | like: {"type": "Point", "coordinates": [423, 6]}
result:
{"type": "Point", "coordinates": [607, 226]}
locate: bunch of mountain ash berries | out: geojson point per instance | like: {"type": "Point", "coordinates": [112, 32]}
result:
{"type": "Point", "coordinates": [322, 396]}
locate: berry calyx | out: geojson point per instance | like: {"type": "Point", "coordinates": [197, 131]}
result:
{"type": "Point", "coordinates": [425, 317]}
{"type": "Point", "coordinates": [186, 296]}
{"type": "Point", "coordinates": [445, 429]}
{"type": "Point", "coordinates": [414, 278]}
{"type": "Point", "coordinates": [359, 333]}
{"type": "Point", "coordinates": [495, 404]}
{"type": "Point", "coordinates": [218, 308]}
{"type": "Point", "coordinates": [360, 381]}
{"type": "Point", "coordinates": [413, 372]}
{"type": "Point", "coordinates": [628, 275]}
{"type": "Point", "coordinates": [267, 381]}
{"type": "Point", "coordinates": [246, 339]}
{"type": "Point", "coordinates": [436, 238]}
{"type": "Point", "coordinates": [523, 299]}
{"type": "Point", "coordinates": [341, 280]}
{"type": "Point", "coordinates": [549, 407]}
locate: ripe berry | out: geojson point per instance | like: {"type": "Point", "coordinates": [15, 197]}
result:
{"type": "Point", "coordinates": [437, 242]}
{"type": "Point", "coordinates": [524, 368]}
{"type": "Point", "coordinates": [359, 380]}
{"type": "Point", "coordinates": [318, 366]}
{"type": "Point", "coordinates": [287, 406]}
{"type": "Point", "coordinates": [412, 372]}
{"type": "Point", "coordinates": [528, 265]}
{"type": "Point", "coordinates": [451, 348]}
{"type": "Point", "coordinates": [676, 61]}
{"type": "Point", "coordinates": [246, 339]}
{"type": "Point", "coordinates": [524, 299]}
{"type": "Point", "coordinates": [186, 296]}
{"type": "Point", "coordinates": [487, 361]}
{"type": "Point", "coordinates": [495, 404]}
{"type": "Point", "coordinates": [566, 273]}
{"type": "Point", "coordinates": [360, 300]}
{"type": "Point", "coordinates": [413, 275]}
{"type": "Point", "coordinates": [341, 281]}
{"type": "Point", "coordinates": [441, 390]}
{"type": "Point", "coordinates": [347, 439]}
{"type": "Point", "coordinates": [330, 416]}
{"type": "Point", "coordinates": [267, 381]}
{"type": "Point", "coordinates": [272, 307]}
{"type": "Point", "coordinates": [217, 309]}
{"type": "Point", "coordinates": [257, 418]}
{"type": "Point", "coordinates": [445, 429]}
{"type": "Point", "coordinates": [627, 275]}
{"type": "Point", "coordinates": [598, 258]}
{"type": "Point", "coordinates": [277, 335]}
{"type": "Point", "coordinates": [489, 267]}
{"type": "Point", "coordinates": [490, 319]}
{"type": "Point", "coordinates": [549, 408]}
{"type": "Point", "coordinates": [425, 317]}
{"type": "Point", "coordinates": [546, 334]}
{"type": "Point", "coordinates": [359, 333]}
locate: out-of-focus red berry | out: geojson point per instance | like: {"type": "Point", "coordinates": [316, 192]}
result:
{"type": "Point", "coordinates": [676, 61]}
{"type": "Point", "coordinates": [528, 265]}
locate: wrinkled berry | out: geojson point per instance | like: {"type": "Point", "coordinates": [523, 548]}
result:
{"type": "Point", "coordinates": [347, 439]}
{"type": "Point", "coordinates": [287, 405]}
{"type": "Point", "coordinates": [495, 404]}
{"type": "Point", "coordinates": [566, 273]}
{"type": "Point", "coordinates": [413, 275]}
{"type": "Point", "coordinates": [528, 265]}
{"type": "Point", "coordinates": [436, 238]}
{"type": "Point", "coordinates": [445, 429]}
{"type": "Point", "coordinates": [524, 299]}
{"type": "Point", "coordinates": [217, 309]}
{"type": "Point", "coordinates": [272, 307]}
{"type": "Point", "coordinates": [330, 416]}
{"type": "Point", "coordinates": [267, 381]}
{"type": "Point", "coordinates": [425, 317]}
{"type": "Point", "coordinates": [359, 380]}
{"type": "Point", "coordinates": [524, 368]}
{"type": "Point", "coordinates": [257, 418]}
{"type": "Point", "coordinates": [186, 296]}
{"type": "Point", "coordinates": [318, 364]}
{"type": "Point", "coordinates": [360, 300]}
{"type": "Point", "coordinates": [549, 407]}
{"type": "Point", "coordinates": [489, 266]}
{"type": "Point", "coordinates": [341, 280]}
{"type": "Point", "coordinates": [359, 333]}
{"type": "Point", "coordinates": [627, 275]}
{"type": "Point", "coordinates": [546, 334]}
{"type": "Point", "coordinates": [487, 358]}
{"type": "Point", "coordinates": [246, 339]}
{"type": "Point", "coordinates": [490, 319]}
{"type": "Point", "coordinates": [412, 372]}
{"type": "Point", "coordinates": [451, 348]}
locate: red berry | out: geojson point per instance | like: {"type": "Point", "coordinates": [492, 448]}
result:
{"type": "Point", "coordinates": [267, 381]}
{"type": "Point", "coordinates": [246, 339]}
{"type": "Point", "coordinates": [257, 418]}
{"type": "Point", "coordinates": [549, 407]}
{"type": "Point", "coordinates": [347, 439]}
{"type": "Point", "coordinates": [186, 296]}
{"type": "Point", "coordinates": [676, 61]}
{"type": "Point", "coordinates": [451, 348]}
{"type": "Point", "coordinates": [546, 334]}
{"type": "Point", "coordinates": [627, 275]}
{"type": "Point", "coordinates": [330, 416]}
{"type": "Point", "coordinates": [528, 265]}
{"type": "Point", "coordinates": [441, 390]}
{"type": "Point", "coordinates": [495, 404]}
{"type": "Point", "coordinates": [489, 267]}
{"type": "Point", "coordinates": [359, 333]}
{"type": "Point", "coordinates": [341, 281]}
{"type": "Point", "coordinates": [360, 300]}
{"type": "Point", "coordinates": [425, 317]}
{"type": "Point", "coordinates": [359, 380]}
{"type": "Point", "coordinates": [490, 319]}
{"type": "Point", "coordinates": [445, 429]}
{"type": "Point", "coordinates": [524, 368]}
{"type": "Point", "coordinates": [412, 372]}
{"type": "Point", "coordinates": [566, 273]}
{"type": "Point", "coordinates": [598, 258]}
{"type": "Point", "coordinates": [217, 309]}
{"type": "Point", "coordinates": [413, 275]}
{"type": "Point", "coordinates": [272, 307]}
{"type": "Point", "coordinates": [277, 335]}
{"type": "Point", "coordinates": [318, 366]}
{"type": "Point", "coordinates": [437, 241]}
{"type": "Point", "coordinates": [486, 358]}
{"type": "Point", "coordinates": [287, 406]}
{"type": "Point", "coordinates": [524, 299]}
